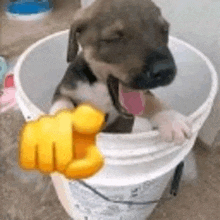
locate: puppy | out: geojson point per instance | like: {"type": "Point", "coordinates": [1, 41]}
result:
{"type": "Point", "coordinates": [124, 45]}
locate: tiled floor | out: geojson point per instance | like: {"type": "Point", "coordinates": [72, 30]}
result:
{"type": "Point", "coordinates": [191, 21]}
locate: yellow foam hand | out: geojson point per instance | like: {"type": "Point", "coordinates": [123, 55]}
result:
{"type": "Point", "coordinates": [65, 142]}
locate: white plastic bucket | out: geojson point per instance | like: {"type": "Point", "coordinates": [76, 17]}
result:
{"type": "Point", "coordinates": [138, 166]}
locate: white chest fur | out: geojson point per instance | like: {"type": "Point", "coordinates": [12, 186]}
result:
{"type": "Point", "coordinates": [96, 94]}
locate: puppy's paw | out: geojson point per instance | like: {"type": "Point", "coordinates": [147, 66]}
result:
{"type": "Point", "coordinates": [172, 126]}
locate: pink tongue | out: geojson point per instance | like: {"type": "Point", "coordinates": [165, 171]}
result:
{"type": "Point", "coordinates": [133, 102]}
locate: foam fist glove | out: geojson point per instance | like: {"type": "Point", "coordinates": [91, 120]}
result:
{"type": "Point", "coordinates": [64, 143]}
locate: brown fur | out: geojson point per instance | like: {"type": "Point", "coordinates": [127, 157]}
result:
{"type": "Point", "coordinates": [137, 27]}
{"type": "Point", "coordinates": [124, 42]}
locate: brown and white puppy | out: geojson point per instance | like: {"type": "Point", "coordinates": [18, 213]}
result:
{"type": "Point", "coordinates": [124, 44]}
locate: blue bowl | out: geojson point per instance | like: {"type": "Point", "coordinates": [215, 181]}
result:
{"type": "Point", "coordinates": [28, 7]}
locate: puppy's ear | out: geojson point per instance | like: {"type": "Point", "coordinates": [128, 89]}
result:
{"type": "Point", "coordinates": [72, 44]}
{"type": "Point", "coordinates": [77, 27]}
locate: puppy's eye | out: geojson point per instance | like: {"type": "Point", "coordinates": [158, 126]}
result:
{"type": "Point", "coordinates": [165, 34]}
{"type": "Point", "coordinates": [120, 34]}
{"type": "Point", "coordinates": [81, 28]}
{"type": "Point", "coordinates": [110, 40]}
{"type": "Point", "coordinates": [165, 31]}
{"type": "Point", "coordinates": [117, 37]}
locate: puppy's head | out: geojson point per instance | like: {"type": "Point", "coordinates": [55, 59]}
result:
{"type": "Point", "coordinates": [125, 39]}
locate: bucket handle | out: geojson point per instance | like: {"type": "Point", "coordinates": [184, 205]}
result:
{"type": "Point", "coordinates": [173, 191]}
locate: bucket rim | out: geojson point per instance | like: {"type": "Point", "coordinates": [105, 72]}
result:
{"type": "Point", "coordinates": [150, 134]}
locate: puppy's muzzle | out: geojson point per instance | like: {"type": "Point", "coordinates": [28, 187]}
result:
{"type": "Point", "coordinates": [159, 70]}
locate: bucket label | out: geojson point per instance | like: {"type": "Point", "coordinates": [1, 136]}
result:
{"type": "Point", "coordinates": [109, 203]}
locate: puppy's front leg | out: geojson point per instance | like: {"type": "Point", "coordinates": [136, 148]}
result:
{"type": "Point", "coordinates": [171, 124]}
{"type": "Point", "coordinates": [61, 103]}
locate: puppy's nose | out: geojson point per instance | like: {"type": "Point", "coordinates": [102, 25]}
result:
{"type": "Point", "coordinates": [163, 67]}
{"type": "Point", "coordinates": [164, 70]}
{"type": "Point", "coordinates": [159, 70]}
